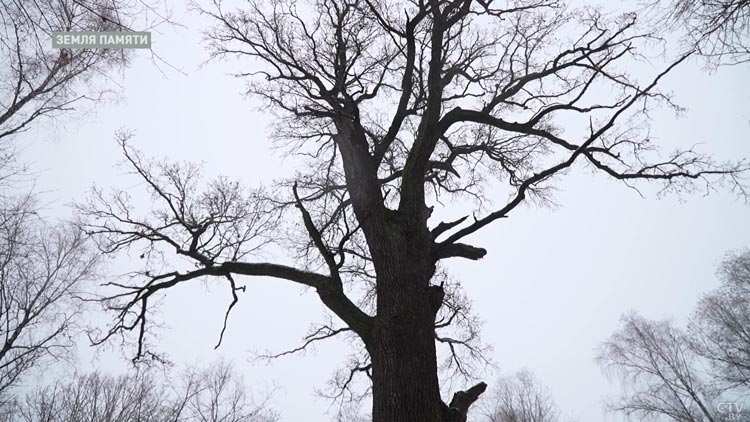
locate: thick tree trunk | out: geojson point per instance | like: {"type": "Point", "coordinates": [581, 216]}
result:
{"type": "Point", "coordinates": [402, 340]}
{"type": "Point", "coordinates": [402, 347]}
{"type": "Point", "coordinates": [404, 362]}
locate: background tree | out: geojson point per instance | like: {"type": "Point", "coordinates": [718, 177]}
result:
{"type": "Point", "coordinates": [656, 364]}
{"type": "Point", "coordinates": [718, 30]}
{"type": "Point", "coordinates": [215, 393]}
{"type": "Point", "coordinates": [520, 398]}
{"type": "Point", "coordinates": [218, 394]}
{"type": "Point", "coordinates": [396, 108]}
{"type": "Point", "coordinates": [38, 81]}
{"type": "Point", "coordinates": [43, 264]}
{"type": "Point", "coordinates": [688, 375]}
{"type": "Point", "coordinates": [721, 324]}
{"type": "Point", "coordinates": [42, 267]}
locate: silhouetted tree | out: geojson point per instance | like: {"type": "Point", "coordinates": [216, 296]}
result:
{"type": "Point", "coordinates": [400, 107]}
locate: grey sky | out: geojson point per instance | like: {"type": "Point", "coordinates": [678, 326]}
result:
{"type": "Point", "coordinates": [551, 288]}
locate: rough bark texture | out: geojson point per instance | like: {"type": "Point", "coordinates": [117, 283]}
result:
{"type": "Point", "coordinates": [405, 382]}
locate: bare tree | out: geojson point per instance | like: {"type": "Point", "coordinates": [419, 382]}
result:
{"type": "Point", "coordinates": [689, 375]}
{"type": "Point", "coordinates": [98, 397]}
{"type": "Point", "coordinates": [39, 81]}
{"type": "Point", "coordinates": [215, 393]}
{"type": "Point", "coordinates": [520, 398]}
{"type": "Point", "coordinates": [657, 367]}
{"type": "Point", "coordinates": [42, 267]}
{"type": "Point", "coordinates": [218, 394]}
{"type": "Point", "coordinates": [718, 30]}
{"type": "Point", "coordinates": [399, 107]}
{"type": "Point", "coordinates": [720, 327]}
{"type": "Point", "coordinates": [42, 264]}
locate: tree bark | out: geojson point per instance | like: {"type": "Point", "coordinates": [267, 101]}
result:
{"type": "Point", "coordinates": [402, 342]}
{"type": "Point", "coordinates": [405, 382]}
{"type": "Point", "coordinates": [402, 345]}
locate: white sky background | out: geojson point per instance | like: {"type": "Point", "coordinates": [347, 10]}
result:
{"type": "Point", "coordinates": [551, 288]}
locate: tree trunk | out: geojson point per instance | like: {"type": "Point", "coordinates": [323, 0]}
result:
{"type": "Point", "coordinates": [401, 342]}
{"type": "Point", "coordinates": [404, 362]}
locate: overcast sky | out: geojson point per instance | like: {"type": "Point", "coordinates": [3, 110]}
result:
{"type": "Point", "coordinates": [552, 287]}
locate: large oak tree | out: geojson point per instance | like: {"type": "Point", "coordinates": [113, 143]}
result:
{"type": "Point", "coordinates": [397, 108]}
